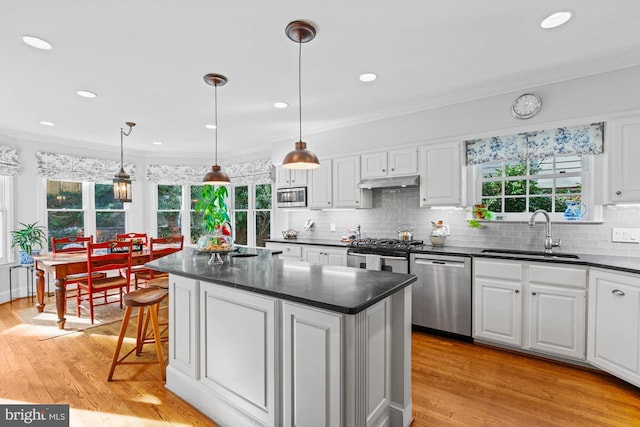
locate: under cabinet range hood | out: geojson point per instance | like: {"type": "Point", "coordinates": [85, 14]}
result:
{"type": "Point", "coordinates": [390, 182]}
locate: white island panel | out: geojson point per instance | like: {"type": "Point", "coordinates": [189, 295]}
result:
{"type": "Point", "coordinates": [238, 359]}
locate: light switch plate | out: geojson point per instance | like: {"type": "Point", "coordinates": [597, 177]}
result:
{"type": "Point", "coordinates": [626, 235]}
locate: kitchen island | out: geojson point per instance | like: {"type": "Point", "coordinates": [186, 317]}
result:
{"type": "Point", "coordinates": [270, 342]}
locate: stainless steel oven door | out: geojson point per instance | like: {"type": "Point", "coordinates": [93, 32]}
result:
{"type": "Point", "coordinates": [387, 263]}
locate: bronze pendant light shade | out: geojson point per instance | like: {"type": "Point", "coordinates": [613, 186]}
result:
{"type": "Point", "coordinates": [122, 180]}
{"type": "Point", "coordinates": [301, 157]}
{"type": "Point", "coordinates": [216, 176]}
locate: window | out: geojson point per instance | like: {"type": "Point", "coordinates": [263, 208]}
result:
{"type": "Point", "coordinates": [6, 187]}
{"type": "Point", "coordinates": [169, 216]}
{"type": "Point", "coordinates": [252, 211]}
{"type": "Point", "coordinates": [195, 218]}
{"type": "Point", "coordinates": [524, 186]}
{"type": "Point", "coordinates": [83, 209]}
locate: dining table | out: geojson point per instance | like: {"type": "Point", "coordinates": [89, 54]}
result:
{"type": "Point", "coordinates": [59, 266]}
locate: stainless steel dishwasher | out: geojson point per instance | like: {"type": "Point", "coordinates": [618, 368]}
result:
{"type": "Point", "coordinates": [442, 293]}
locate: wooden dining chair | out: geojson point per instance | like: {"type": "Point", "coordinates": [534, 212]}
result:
{"type": "Point", "coordinates": [136, 239]}
{"type": "Point", "coordinates": [72, 244]}
{"type": "Point", "coordinates": [112, 259]}
{"type": "Point", "coordinates": [158, 247]}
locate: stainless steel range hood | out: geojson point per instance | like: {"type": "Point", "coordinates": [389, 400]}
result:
{"type": "Point", "coordinates": [390, 182]}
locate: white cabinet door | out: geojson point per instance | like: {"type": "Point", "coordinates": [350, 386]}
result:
{"type": "Point", "coordinates": [325, 255]}
{"type": "Point", "coordinates": [346, 177]}
{"type": "Point", "coordinates": [184, 333]}
{"type": "Point", "coordinates": [320, 190]}
{"type": "Point", "coordinates": [374, 165]}
{"type": "Point", "coordinates": [557, 320]}
{"type": "Point", "coordinates": [498, 311]}
{"type": "Point", "coordinates": [441, 174]}
{"type": "Point", "coordinates": [623, 160]}
{"type": "Point", "coordinates": [290, 177]}
{"type": "Point", "coordinates": [403, 161]}
{"type": "Point", "coordinates": [312, 387]}
{"type": "Point", "coordinates": [238, 349]}
{"type": "Point", "coordinates": [614, 324]}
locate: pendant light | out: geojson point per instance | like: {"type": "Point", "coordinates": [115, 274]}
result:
{"type": "Point", "coordinates": [215, 176]}
{"type": "Point", "coordinates": [300, 158]}
{"type": "Point", "coordinates": [122, 180]}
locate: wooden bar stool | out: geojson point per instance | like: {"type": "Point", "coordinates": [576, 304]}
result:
{"type": "Point", "coordinates": [149, 298]}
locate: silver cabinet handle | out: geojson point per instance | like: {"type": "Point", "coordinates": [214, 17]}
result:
{"type": "Point", "coordinates": [617, 292]}
{"type": "Point", "coordinates": [618, 193]}
{"type": "Point", "coordinates": [533, 293]}
{"type": "Point", "coordinates": [517, 291]}
{"type": "Point", "coordinates": [384, 170]}
{"type": "Point", "coordinates": [392, 169]}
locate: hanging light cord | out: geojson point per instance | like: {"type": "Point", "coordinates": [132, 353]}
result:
{"type": "Point", "coordinates": [215, 119]}
{"type": "Point", "coordinates": [122, 135]}
{"type": "Point", "coordinates": [300, 84]}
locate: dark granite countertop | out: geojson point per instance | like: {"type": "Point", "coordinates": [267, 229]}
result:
{"type": "Point", "coordinates": [340, 289]}
{"type": "Point", "coordinates": [612, 262]}
{"type": "Point", "coordinates": [315, 242]}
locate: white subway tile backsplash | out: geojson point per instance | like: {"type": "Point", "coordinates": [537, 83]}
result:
{"type": "Point", "coordinates": [393, 208]}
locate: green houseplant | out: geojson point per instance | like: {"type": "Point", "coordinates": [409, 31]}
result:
{"type": "Point", "coordinates": [213, 206]}
{"type": "Point", "coordinates": [28, 238]}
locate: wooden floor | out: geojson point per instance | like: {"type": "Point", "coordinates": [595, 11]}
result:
{"type": "Point", "coordinates": [454, 384]}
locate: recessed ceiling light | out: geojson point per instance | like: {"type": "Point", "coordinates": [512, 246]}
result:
{"type": "Point", "coordinates": [36, 42]}
{"type": "Point", "coordinates": [210, 126]}
{"type": "Point", "coordinates": [86, 94]}
{"type": "Point", "coordinates": [280, 104]}
{"type": "Point", "coordinates": [157, 143]}
{"type": "Point", "coordinates": [556, 19]}
{"type": "Point", "coordinates": [47, 123]}
{"type": "Point", "coordinates": [368, 77]}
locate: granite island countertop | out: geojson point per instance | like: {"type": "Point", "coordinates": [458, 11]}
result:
{"type": "Point", "coordinates": [341, 289]}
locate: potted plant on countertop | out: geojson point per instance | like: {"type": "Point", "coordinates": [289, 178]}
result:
{"type": "Point", "coordinates": [480, 212]}
{"type": "Point", "coordinates": [30, 239]}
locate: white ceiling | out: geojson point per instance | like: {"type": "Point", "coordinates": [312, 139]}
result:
{"type": "Point", "coordinates": [146, 58]}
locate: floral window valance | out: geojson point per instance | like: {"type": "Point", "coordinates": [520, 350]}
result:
{"type": "Point", "coordinates": [9, 164]}
{"type": "Point", "coordinates": [257, 171]}
{"type": "Point", "coordinates": [583, 139]}
{"type": "Point", "coordinates": [73, 168]}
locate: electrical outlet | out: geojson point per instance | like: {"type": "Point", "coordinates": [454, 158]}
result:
{"type": "Point", "coordinates": [333, 226]}
{"type": "Point", "coordinates": [626, 235]}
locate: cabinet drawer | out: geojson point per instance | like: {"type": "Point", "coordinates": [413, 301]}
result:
{"type": "Point", "coordinates": [563, 276]}
{"type": "Point", "coordinates": [498, 269]}
{"type": "Point", "coordinates": [292, 251]}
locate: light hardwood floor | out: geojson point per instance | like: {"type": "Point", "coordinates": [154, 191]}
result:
{"type": "Point", "coordinates": [454, 384]}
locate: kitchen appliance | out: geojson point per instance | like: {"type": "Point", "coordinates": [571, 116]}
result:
{"type": "Point", "coordinates": [442, 294]}
{"type": "Point", "coordinates": [381, 254]}
{"type": "Point", "coordinates": [292, 197]}
{"type": "Point", "coordinates": [405, 233]}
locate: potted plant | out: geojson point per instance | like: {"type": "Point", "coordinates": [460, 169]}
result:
{"type": "Point", "coordinates": [215, 210]}
{"type": "Point", "coordinates": [28, 238]}
{"type": "Point", "coordinates": [480, 212]}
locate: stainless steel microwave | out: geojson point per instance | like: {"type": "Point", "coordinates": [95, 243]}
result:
{"type": "Point", "coordinates": [294, 197]}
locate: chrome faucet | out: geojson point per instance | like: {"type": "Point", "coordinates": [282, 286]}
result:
{"type": "Point", "coordinates": [549, 244]}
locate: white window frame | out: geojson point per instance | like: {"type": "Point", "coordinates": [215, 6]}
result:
{"type": "Point", "coordinates": [88, 208]}
{"type": "Point", "coordinates": [6, 218]}
{"type": "Point", "coordinates": [588, 195]}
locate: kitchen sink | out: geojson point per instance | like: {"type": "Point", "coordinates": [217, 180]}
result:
{"type": "Point", "coordinates": [538, 254]}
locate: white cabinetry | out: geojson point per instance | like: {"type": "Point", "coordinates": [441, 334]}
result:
{"type": "Point", "coordinates": [320, 189]}
{"type": "Point", "coordinates": [614, 323]}
{"type": "Point", "coordinates": [346, 177]}
{"type": "Point", "coordinates": [184, 325]}
{"type": "Point", "coordinates": [533, 306]}
{"type": "Point", "coordinates": [290, 177]}
{"type": "Point", "coordinates": [440, 168]}
{"type": "Point", "coordinates": [623, 160]}
{"type": "Point", "coordinates": [312, 370]}
{"type": "Point", "coordinates": [325, 255]}
{"type": "Point", "coordinates": [289, 250]}
{"type": "Point", "coordinates": [402, 161]}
